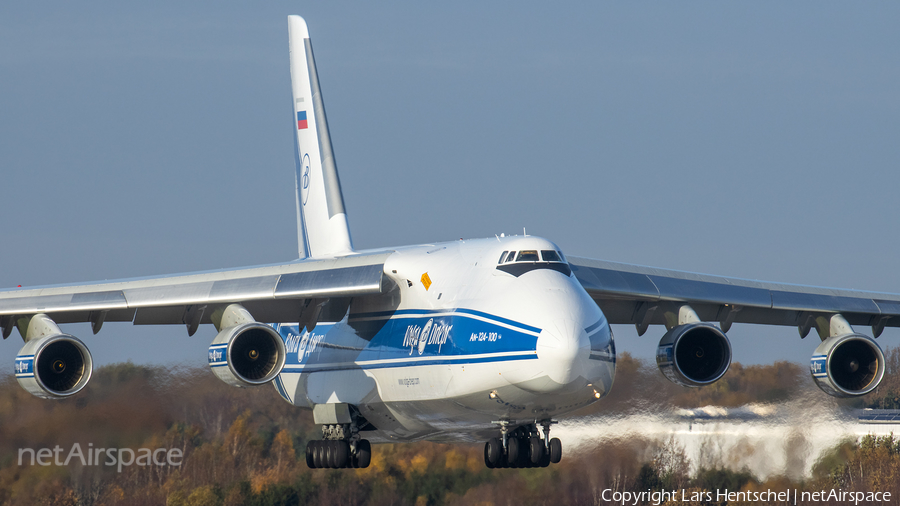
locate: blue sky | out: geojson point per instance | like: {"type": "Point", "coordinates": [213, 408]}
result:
{"type": "Point", "coordinates": [755, 140]}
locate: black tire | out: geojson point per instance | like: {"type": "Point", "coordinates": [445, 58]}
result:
{"type": "Point", "coordinates": [512, 451]}
{"type": "Point", "coordinates": [319, 454]}
{"type": "Point", "coordinates": [555, 450]}
{"type": "Point", "coordinates": [310, 457]}
{"type": "Point", "coordinates": [545, 461]}
{"type": "Point", "coordinates": [353, 460]}
{"type": "Point", "coordinates": [487, 456]}
{"type": "Point", "coordinates": [524, 460]}
{"type": "Point", "coordinates": [493, 450]}
{"type": "Point", "coordinates": [536, 449]}
{"type": "Point", "coordinates": [329, 454]}
{"type": "Point", "coordinates": [341, 454]}
{"type": "Point", "coordinates": [363, 453]}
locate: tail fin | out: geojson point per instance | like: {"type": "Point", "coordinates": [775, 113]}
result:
{"type": "Point", "coordinates": [322, 227]}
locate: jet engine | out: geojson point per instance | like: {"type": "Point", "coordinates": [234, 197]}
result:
{"type": "Point", "coordinates": [53, 367]}
{"type": "Point", "coordinates": [248, 354]}
{"type": "Point", "coordinates": [848, 365]}
{"type": "Point", "coordinates": [694, 354]}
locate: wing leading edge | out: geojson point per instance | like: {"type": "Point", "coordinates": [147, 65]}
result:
{"type": "Point", "coordinates": [273, 293]}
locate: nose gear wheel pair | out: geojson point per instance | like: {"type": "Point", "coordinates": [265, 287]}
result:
{"type": "Point", "coordinates": [522, 447]}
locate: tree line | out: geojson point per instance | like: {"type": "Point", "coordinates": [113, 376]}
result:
{"type": "Point", "coordinates": [246, 446]}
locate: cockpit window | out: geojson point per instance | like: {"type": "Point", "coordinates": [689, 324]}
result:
{"type": "Point", "coordinates": [528, 260]}
{"type": "Point", "coordinates": [502, 257]}
{"type": "Point", "coordinates": [549, 255]}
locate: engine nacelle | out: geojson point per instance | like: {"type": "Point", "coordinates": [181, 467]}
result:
{"type": "Point", "coordinates": [848, 365]}
{"type": "Point", "coordinates": [694, 354]}
{"type": "Point", "coordinates": [54, 367]}
{"type": "Point", "coordinates": [248, 354]}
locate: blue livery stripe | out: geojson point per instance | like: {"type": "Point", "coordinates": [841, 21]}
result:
{"type": "Point", "coordinates": [385, 315]}
{"type": "Point", "coordinates": [594, 326]}
{"type": "Point", "coordinates": [386, 364]}
{"type": "Point", "coordinates": [279, 386]}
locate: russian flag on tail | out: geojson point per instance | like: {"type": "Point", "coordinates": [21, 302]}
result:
{"type": "Point", "coordinates": [301, 120]}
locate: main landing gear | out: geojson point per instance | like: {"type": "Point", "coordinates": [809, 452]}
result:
{"type": "Point", "coordinates": [522, 447]}
{"type": "Point", "coordinates": [340, 449]}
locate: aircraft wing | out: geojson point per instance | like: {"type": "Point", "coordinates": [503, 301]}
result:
{"type": "Point", "coordinates": [642, 295]}
{"type": "Point", "coordinates": [271, 293]}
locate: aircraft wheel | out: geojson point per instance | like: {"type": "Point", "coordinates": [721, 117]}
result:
{"type": "Point", "coordinates": [310, 457]}
{"type": "Point", "coordinates": [341, 454]}
{"type": "Point", "coordinates": [363, 453]}
{"type": "Point", "coordinates": [492, 452]}
{"type": "Point", "coordinates": [524, 459]}
{"type": "Point", "coordinates": [545, 460]}
{"type": "Point", "coordinates": [536, 449]}
{"type": "Point", "coordinates": [319, 455]}
{"type": "Point", "coordinates": [512, 451]}
{"type": "Point", "coordinates": [555, 450]}
{"type": "Point", "coordinates": [487, 456]}
{"type": "Point", "coordinates": [324, 455]}
{"type": "Point", "coordinates": [353, 459]}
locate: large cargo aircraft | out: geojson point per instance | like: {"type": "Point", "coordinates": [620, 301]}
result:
{"type": "Point", "coordinates": [490, 340]}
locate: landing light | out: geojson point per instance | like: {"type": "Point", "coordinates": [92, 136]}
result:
{"type": "Point", "coordinates": [596, 394]}
{"type": "Point", "coordinates": [493, 394]}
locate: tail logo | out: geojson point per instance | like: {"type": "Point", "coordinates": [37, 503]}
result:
{"type": "Point", "coordinates": [301, 120]}
{"type": "Point", "coordinates": [304, 180]}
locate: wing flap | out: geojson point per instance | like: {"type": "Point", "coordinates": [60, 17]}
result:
{"type": "Point", "coordinates": [342, 282]}
{"type": "Point", "coordinates": [88, 301]}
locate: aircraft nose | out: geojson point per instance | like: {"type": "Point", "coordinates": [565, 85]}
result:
{"type": "Point", "coordinates": [563, 350]}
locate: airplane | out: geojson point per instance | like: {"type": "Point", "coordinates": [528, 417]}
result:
{"type": "Point", "coordinates": [489, 340]}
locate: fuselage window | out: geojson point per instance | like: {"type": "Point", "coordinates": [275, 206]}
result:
{"type": "Point", "coordinates": [528, 255]}
{"type": "Point", "coordinates": [502, 257]}
{"type": "Point", "coordinates": [550, 256]}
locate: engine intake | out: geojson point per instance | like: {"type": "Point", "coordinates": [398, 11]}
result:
{"type": "Point", "coordinates": [694, 354]}
{"type": "Point", "coordinates": [54, 367]}
{"type": "Point", "coordinates": [848, 365]}
{"type": "Point", "coordinates": [247, 355]}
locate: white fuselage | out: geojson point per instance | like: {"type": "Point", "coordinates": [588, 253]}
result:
{"type": "Point", "coordinates": [462, 340]}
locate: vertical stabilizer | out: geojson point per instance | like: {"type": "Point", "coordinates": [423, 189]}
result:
{"type": "Point", "coordinates": [322, 227]}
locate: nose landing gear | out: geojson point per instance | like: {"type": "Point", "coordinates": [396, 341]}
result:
{"type": "Point", "coordinates": [523, 446]}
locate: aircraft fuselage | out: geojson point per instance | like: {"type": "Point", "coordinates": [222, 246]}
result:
{"type": "Point", "coordinates": [473, 332]}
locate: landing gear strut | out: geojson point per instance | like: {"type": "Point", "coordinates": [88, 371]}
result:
{"type": "Point", "coordinates": [523, 446]}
